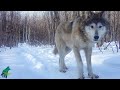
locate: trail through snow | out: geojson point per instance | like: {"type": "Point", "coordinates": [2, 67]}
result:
{"type": "Point", "coordinates": [30, 62]}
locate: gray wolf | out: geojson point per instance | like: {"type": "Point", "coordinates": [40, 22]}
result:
{"type": "Point", "coordinates": [80, 34]}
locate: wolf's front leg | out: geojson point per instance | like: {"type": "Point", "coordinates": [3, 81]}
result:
{"type": "Point", "coordinates": [79, 62]}
{"type": "Point", "coordinates": [88, 53]}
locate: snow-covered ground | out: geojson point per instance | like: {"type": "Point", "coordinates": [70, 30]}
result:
{"type": "Point", "coordinates": [30, 62]}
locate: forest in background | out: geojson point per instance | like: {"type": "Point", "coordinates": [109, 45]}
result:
{"type": "Point", "coordinates": [39, 29]}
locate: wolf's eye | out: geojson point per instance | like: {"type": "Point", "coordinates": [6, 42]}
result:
{"type": "Point", "coordinates": [92, 26]}
{"type": "Point", "coordinates": [100, 26]}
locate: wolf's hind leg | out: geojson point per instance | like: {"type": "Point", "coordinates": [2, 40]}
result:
{"type": "Point", "coordinates": [62, 53]}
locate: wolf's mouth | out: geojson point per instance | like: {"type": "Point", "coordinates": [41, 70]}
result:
{"type": "Point", "coordinates": [95, 39]}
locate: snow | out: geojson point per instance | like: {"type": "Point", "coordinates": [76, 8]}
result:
{"type": "Point", "coordinates": [30, 62]}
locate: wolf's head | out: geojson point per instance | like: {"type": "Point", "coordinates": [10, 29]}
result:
{"type": "Point", "coordinates": [96, 26]}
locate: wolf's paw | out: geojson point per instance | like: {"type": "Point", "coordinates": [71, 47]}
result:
{"type": "Point", "coordinates": [93, 76]}
{"type": "Point", "coordinates": [82, 77]}
{"type": "Point", "coordinates": [63, 70]}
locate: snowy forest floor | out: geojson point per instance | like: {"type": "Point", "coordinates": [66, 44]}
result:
{"type": "Point", "coordinates": [30, 62]}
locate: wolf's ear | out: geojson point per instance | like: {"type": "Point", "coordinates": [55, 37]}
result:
{"type": "Point", "coordinates": [90, 13]}
{"type": "Point", "coordinates": [101, 13]}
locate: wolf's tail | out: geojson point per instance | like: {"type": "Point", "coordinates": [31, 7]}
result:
{"type": "Point", "coordinates": [55, 51]}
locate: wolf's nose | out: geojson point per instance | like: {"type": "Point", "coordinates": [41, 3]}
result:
{"type": "Point", "coordinates": [96, 37]}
